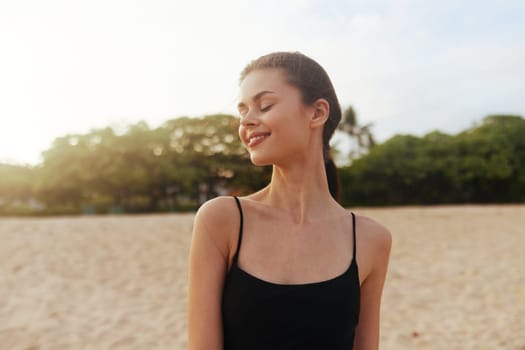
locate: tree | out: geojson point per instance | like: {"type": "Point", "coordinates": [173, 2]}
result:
{"type": "Point", "coordinates": [361, 134]}
{"type": "Point", "coordinates": [484, 164]}
{"type": "Point", "coordinates": [146, 169]}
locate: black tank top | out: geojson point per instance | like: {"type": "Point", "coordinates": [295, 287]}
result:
{"type": "Point", "coordinates": [258, 314]}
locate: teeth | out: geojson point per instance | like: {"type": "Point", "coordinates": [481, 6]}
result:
{"type": "Point", "coordinates": [255, 138]}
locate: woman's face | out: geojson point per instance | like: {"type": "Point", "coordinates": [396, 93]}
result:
{"type": "Point", "coordinates": [274, 126]}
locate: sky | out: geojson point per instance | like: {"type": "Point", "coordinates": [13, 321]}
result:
{"type": "Point", "coordinates": [407, 66]}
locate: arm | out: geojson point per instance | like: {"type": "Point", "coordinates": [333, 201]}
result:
{"type": "Point", "coordinates": [367, 331]}
{"type": "Point", "coordinates": [207, 267]}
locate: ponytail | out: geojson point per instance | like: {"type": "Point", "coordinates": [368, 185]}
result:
{"type": "Point", "coordinates": [334, 184]}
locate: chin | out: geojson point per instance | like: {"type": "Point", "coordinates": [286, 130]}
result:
{"type": "Point", "coordinates": [260, 161]}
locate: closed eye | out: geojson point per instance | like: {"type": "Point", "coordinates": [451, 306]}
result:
{"type": "Point", "coordinates": [266, 109]}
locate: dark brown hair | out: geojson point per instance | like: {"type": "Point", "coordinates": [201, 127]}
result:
{"type": "Point", "coordinates": [312, 80]}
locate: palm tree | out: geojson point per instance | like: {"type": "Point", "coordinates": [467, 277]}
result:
{"type": "Point", "coordinates": [362, 134]}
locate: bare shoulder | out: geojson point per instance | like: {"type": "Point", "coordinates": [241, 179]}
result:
{"type": "Point", "coordinates": [374, 242]}
{"type": "Point", "coordinates": [374, 232]}
{"type": "Point", "coordinates": [209, 252]}
{"type": "Point", "coordinates": [219, 210]}
{"type": "Point", "coordinates": [218, 220]}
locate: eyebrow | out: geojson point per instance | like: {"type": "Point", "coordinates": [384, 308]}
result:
{"type": "Point", "coordinates": [256, 97]}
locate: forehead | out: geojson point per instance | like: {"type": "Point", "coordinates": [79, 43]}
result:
{"type": "Point", "coordinates": [264, 80]}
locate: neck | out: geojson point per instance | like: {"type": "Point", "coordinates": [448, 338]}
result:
{"type": "Point", "coordinates": [300, 190]}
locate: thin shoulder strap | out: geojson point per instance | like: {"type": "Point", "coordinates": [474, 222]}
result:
{"type": "Point", "coordinates": [240, 230]}
{"type": "Point", "coordinates": [353, 229]}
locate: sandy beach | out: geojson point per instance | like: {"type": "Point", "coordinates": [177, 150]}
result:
{"type": "Point", "coordinates": [456, 280]}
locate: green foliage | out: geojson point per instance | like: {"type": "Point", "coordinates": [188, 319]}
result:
{"type": "Point", "coordinates": [483, 164]}
{"type": "Point", "coordinates": [208, 150]}
{"type": "Point", "coordinates": [161, 169]}
{"type": "Point", "coordinates": [360, 133]}
{"type": "Point", "coordinates": [142, 170]}
{"type": "Point", "coordinates": [16, 182]}
{"type": "Point", "coordinates": [349, 117]}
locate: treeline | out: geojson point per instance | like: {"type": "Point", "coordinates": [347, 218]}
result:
{"type": "Point", "coordinates": [185, 161]}
{"type": "Point", "coordinates": [484, 164]}
{"type": "Point", "coordinates": [170, 168]}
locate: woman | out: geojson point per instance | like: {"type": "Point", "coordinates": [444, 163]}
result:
{"type": "Point", "coordinates": [308, 274]}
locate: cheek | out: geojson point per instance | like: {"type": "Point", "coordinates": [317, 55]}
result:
{"type": "Point", "coordinates": [295, 123]}
{"type": "Point", "coordinates": [292, 135]}
{"type": "Point", "coordinates": [297, 137]}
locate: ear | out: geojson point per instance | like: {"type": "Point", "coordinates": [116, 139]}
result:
{"type": "Point", "coordinates": [320, 112]}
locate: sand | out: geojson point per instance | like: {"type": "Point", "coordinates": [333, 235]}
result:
{"type": "Point", "coordinates": [456, 280]}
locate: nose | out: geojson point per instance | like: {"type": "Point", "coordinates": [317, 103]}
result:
{"type": "Point", "coordinates": [249, 120]}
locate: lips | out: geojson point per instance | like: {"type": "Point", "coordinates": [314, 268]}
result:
{"type": "Point", "coordinates": [256, 138]}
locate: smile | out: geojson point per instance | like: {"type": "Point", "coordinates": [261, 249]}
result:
{"type": "Point", "coordinates": [255, 140]}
